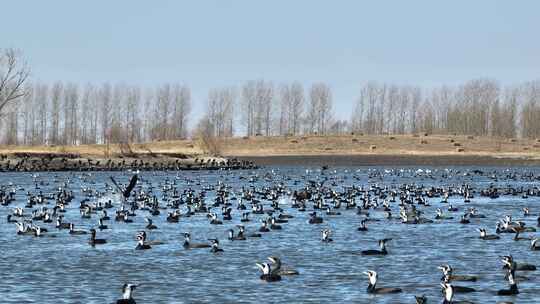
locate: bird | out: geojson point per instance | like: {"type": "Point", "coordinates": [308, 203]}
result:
{"type": "Point", "coordinates": [372, 275]}
{"type": "Point", "coordinates": [127, 294]}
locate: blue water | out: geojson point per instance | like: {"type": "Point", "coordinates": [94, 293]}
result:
{"type": "Point", "coordinates": [62, 268]}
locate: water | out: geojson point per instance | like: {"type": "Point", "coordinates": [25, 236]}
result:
{"type": "Point", "coordinates": [62, 268]}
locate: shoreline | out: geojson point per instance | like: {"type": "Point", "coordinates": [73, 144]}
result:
{"type": "Point", "coordinates": [389, 160]}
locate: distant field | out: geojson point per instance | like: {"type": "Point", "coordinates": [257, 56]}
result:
{"type": "Point", "coordinates": [419, 145]}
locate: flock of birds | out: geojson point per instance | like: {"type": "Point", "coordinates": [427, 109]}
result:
{"type": "Point", "coordinates": [319, 198]}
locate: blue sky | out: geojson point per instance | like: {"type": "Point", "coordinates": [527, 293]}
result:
{"type": "Point", "coordinates": [209, 44]}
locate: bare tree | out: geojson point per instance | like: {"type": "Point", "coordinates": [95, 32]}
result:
{"type": "Point", "coordinates": [13, 75]}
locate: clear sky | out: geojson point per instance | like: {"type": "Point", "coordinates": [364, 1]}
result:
{"type": "Point", "coordinates": [209, 44]}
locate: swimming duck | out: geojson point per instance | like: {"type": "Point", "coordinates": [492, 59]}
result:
{"type": "Point", "coordinates": [239, 237]}
{"type": "Point", "coordinates": [372, 275]}
{"type": "Point", "coordinates": [267, 275]}
{"type": "Point", "coordinates": [150, 226]}
{"type": "Point", "coordinates": [363, 226]}
{"type": "Point", "coordinates": [215, 246]}
{"type": "Point", "coordinates": [420, 299]}
{"type": "Point", "coordinates": [448, 291]}
{"type": "Point", "coordinates": [127, 294]}
{"type": "Point", "coordinates": [141, 244]}
{"type": "Point", "coordinates": [534, 245]}
{"type": "Point", "coordinates": [188, 245]}
{"type": "Point", "coordinates": [72, 230]}
{"type": "Point", "coordinates": [278, 269]}
{"type": "Point", "coordinates": [382, 245]}
{"type": "Point", "coordinates": [326, 236]}
{"type": "Point", "coordinates": [449, 276]}
{"type": "Point", "coordinates": [314, 219]}
{"type": "Point", "coordinates": [513, 290]}
{"type": "Point", "coordinates": [485, 236]}
{"type": "Point", "coordinates": [101, 226]}
{"type": "Point", "coordinates": [93, 241]}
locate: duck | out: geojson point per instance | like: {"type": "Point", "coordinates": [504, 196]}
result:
{"type": "Point", "coordinates": [278, 269]}
{"type": "Point", "coordinates": [267, 274]}
{"type": "Point", "coordinates": [509, 263]}
{"type": "Point", "coordinates": [513, 290]}
{"type": "Point", "coordinates": [101, 226]}
{"type": "Point", "coordinates": [189, 245]}
{"type": "Point", "coordinates": [239, 237]}
{"type": "Point", "coordinates": [464, 220]}
{"type": "Point", "coordinates": [93, 241]}
{"type": "Point", "coordinates": [448, 275]}
{"type": "Point", "coordinates": [61, 225]}
{"type": "Point", "coordinates": [314, 219]}
{"type": "Point", "coordinates": [448, 291]}
{"type": "Point", "coordinates": [326, 236]}
{"type": "Point", "coordinates": [141, 244]}
{"type": "Point", "coordinates": [215, 246]}
{"type": "Point", "coordinates": [420, 299]}
{"type": "Point", "coordinates": [72, 230]}
{"type": "Point", "coordinates": [484, 236]}
{"type": "Point", "coordinates": [534, 245]}
{"type": "Point", "coordinates": [372, 275]}
{"type": "Point", "coordinates": [150, 226]}
{"type": "Point", "coordinates": [214, 219]}
{"type": "Point", "coordinates": [382, 245]}
{"type": "Point", "coordinates": [363, 226]}
{"type": "Point", "coordinates": [127, 294]}
{"type": "Point", "coordinates": [264, 227]}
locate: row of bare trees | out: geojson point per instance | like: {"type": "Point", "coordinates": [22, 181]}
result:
{"type": "Point", "coordinates": [66, 114]}
{"type": "Point", "coordinates": [260, 108]}
{"type": "Point", "coordinates": [478, 107]}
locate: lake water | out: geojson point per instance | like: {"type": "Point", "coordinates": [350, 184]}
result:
{"type": "Point", "coordinates": [63, 268]}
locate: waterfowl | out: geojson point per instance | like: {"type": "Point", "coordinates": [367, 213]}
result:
{"type": "Point", "coordinates": [534, 245]}
{"type": "Point", "coordinates": [126, 191]}
{"type": "Point", "coordinates": [239, 237]}
{"type": "Point", "coordinates": [60, 225]}
{"type": "Point", "coordinates": [242, 232]}
{"type": "Point", "coordinates": [449, 276]}
{"type": "Point", "coordinates": [513, 290]}
{"type": "Point", "coordinates": [441, 216]}
{"type": "Point", "coordinates": [372, 275]}
{"type": "Point", "coordinates": [363, 226]}
{"type": "Point", "coordinates": [214, 220]}
{"type": "Point", "coordinates": [93, 241]}
{"type": "Point", "coordinates": [448, 291]}
{"type": "Point", "coordinates": [188, 245]}
{"type": "Point", "coordinates": [127, 294]}
{"type": "Point", "coordinates": [9, 220]}
{"type": "Point", "coordinates": [382, 245]}
{"type": "Point", "coordinates": [75, 232]}
{"type": "Point", "coordinates": [101, 226]}
{"type": "Point", "coordinates": [485, 236]}
{"type": "Point", "coordinates": [264, 227]}
{"type": "Point", "coordinates": [420, 299]}
{"type": "Point", "coordinates": [464, 220]}
{"type": "Point", "coordinates": [326, 236]}
{"type": "Point", "coordinates": [509, 263]}
{"type": "Point", "coordinates": [279, 269]}
{"type": "Point", "coordinates": [141, 244]}
{"type": "Point", "coordinates": [215, 246]}
{"type": "Point", "coordinates": [314, 219]}
{"type": "Point", "coordinates": [267, 275]}
{"type": "Point", "coordinates": [273, 224]}
{"type": "Point", "coordinates": [150, 226]}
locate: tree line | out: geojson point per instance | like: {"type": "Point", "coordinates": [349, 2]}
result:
{"type": "Point", "coordinates": [66, 113]}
